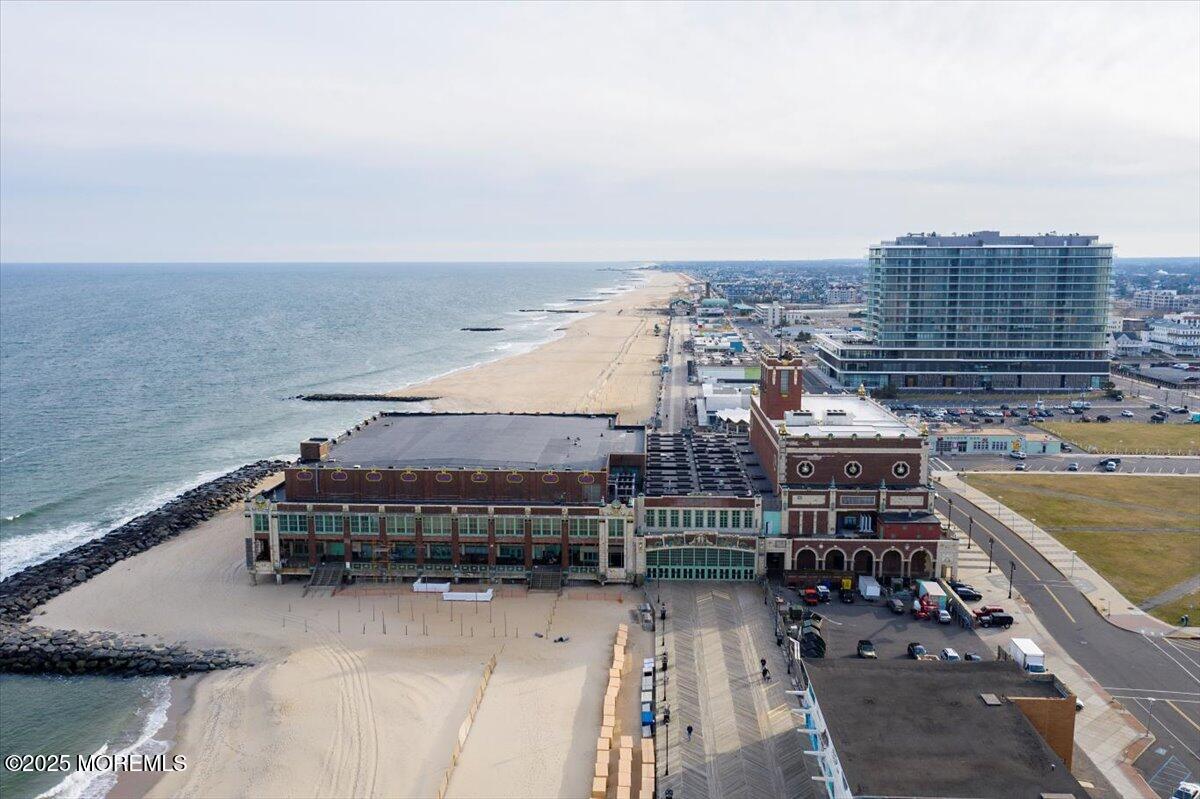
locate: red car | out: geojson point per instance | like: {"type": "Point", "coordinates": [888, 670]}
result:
{"type": "Point", "coordinates": [987, 610]}
{"type": "Point", "coordinates": [810, 596]}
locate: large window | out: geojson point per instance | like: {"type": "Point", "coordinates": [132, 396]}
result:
{"type": "Point", "coordinates": [293, 523]}
{"type": "Point", "coordinates": [435, 525]}
{"type": "Point", "coordinates": [584, 528]}
{"type": "Point", "coordinates": [510, 525]}
{"type": "Point", "coordinates": [674, 519]}
{"type": "Point", "coordinates": [547, 527]}
{"type": "Point", "coordinates": [687, 519]}
{"type": "Point", "coordinates": [262, 523]}
{"type": "Point", "coordinates": [662, 518]}
{"type": "Point", "coordinates": [473, 526]}
{"type": "Point", "coordinates": [401, 524]}
{"type": "Point", "coordinates": [723, 519]}
{"type": "Point", "coordinates": [361, 524]}
{"type": "Point", "coordinates": [327, 524]}
{"type": "Point", "coordinates": [712, 518]}
{"type": "Point", "coordinates": [616, 528]}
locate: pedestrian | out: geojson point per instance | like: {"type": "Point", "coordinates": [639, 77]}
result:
{"type": "Point", "coordinates": [766, 673]}
{"type": "Point", "coordinates": [689, 732]}
{"type": "Point", "coordinates": [762, 662]}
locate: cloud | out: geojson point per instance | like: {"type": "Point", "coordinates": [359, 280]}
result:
{"type": "Point", "coordinates": [408, 131]}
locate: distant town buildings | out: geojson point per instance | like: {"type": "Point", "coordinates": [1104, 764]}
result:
{"type": "Point", "coordinates": [1176, 334]}
{"type": "Point", "coordinates": [1159, 300]}
{"type": "Point", "coordinates": [980, 311]}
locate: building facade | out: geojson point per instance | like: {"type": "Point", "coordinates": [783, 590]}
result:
{"type": "Point", "coordinates": [1159, 300]}
{"type": "Point", "coordinates": [1176, 334]}
{"type": "Point", "coordinates": [980, 311]}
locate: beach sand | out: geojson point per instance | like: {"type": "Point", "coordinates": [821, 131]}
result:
{"type": "Point", "coordinates": [350, 696]}
{"type": "Point", "coordinates": [606, 362]}
{"type": "Point", "coordinates": [364, 712]}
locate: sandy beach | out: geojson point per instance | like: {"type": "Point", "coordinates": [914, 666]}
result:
{"type": "Point", "coordinates": [364, 693]}
{"type": "Point", "coordinates": [605, 362]}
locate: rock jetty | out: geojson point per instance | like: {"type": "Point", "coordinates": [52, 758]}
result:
{"type": "Point", "coordinates": [361, 398]}
{"type": "Point", "coordinates": [37, 650]}
{"type": "Point", "coordinates": [30, 649]}
{"type": "Point", "coordinates": [480, 329]}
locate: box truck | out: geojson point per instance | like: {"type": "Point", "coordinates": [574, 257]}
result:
{"type": "Point", "coordinates": [868, 586]}
{"type": "Point", "coordinates": [1028, 655]}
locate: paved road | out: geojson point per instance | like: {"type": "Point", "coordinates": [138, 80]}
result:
{"type": "Point", "coordinates": [675, 383]}
{"type": "Point", "coordinates": [744, 743]}
{"type": "Point", "coordinates": [1130, 464]}
{"type": "Point", "coordinates": [1146, 674]}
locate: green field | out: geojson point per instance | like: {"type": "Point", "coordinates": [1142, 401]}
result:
{"type": "Point", "coordinates": [1141, 533]}
{"type": "Point", "coordinates": [1129, 437]}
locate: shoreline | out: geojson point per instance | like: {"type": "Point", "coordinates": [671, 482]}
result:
{"type": "Point", "coordinates": [137, 785]}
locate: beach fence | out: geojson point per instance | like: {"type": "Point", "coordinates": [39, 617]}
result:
{"type": "Point", "coordinates": [465, 728]}
{"type": "Point", "coordinates": [608, 726]}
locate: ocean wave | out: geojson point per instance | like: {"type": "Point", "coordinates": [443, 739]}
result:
{"type": "Point", "coordinates": [21, 551]}
{"type": "Point", "coordinates": [97, 784]}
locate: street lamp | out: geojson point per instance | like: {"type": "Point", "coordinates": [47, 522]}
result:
{"type": "Point", "coordinates": [970, 529]}
{"type": "Point", "coordinates": [991, 550]}
{"type": "Point", "coordinates": [1072, 577]}
{"type": "Point", "coordinates": [1011, 566]}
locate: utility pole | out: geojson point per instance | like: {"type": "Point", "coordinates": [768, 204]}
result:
{"type": "Point", "coordinates": [991, 551]}
{"type": "Point", "coordinates": [1012, 565]}
{"type": "Point", "coordinates": [970, 529]}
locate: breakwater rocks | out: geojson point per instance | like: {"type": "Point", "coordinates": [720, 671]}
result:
{"type": "Point", "coordinates": [37, 650]}
{"type": "Point", "coordinates": [34, 650]}
{"type": "Point", "coordinates": [361, 398]}
{"type": "Point", "coordinates": [480, 329]}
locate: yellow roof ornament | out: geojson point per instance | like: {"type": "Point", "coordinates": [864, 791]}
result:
{"type": "Point", "coordinates": [783, 431]}
{"type": "Point", "coordinates": [862, 391]}
{"type": "Point", "coordinates": [924, 429]}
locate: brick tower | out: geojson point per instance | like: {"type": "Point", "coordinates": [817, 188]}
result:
{"type": "Point", "coordinates": [781, 385]}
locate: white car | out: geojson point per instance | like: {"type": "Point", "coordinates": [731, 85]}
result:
{"type": "Point", "coordinates": [949, 655]}
{"type": "Point", "coordinates": [943, 617]}
{"type": "Point", "coordinates": [1017, 454]}
{"type": "Point", "coordinates": [1127, 414]}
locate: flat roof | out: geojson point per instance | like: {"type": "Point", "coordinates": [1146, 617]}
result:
{"type": "Point", "coordinates": [842, 415]}
{"type": "Point", "coordinates": [993, 238]}
{"type": "Point", "coordinates": [695, 464]}
{"type": "Point", "coordinates": [920, 728]}
{"type": "Point", "coordinates": [486, 441]}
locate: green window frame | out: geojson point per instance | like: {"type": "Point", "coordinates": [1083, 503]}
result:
{"type": "Point", "coordinates": [616, 528]}
{"type": "Point", "coordinates": [687, 518]}
{"type": "Point", "coordinates": [362, 524]}
{"type": "Point", "coordinates": [510, 525]}
{"type": "Point", "coordinates": [327, 524]}
{"type": "Point", "coordinates": [662, 518]}
{"type": "Point", "coordinates": [435, 525]}
{"type": "Point", "coordinates": [583, 528]}
{"type": "Point", "coordinates": [723, 519]}
{"type": "Point", "coordinates": [261, 522]}
{"type": "Point", "coordinates": [712, 518]}
{"type": "Point", "coordinates": [674, 519]}
{"type": "Point", "coordinates": [293, 523]}
{"type": "Point", "coordinates": [401, 524]}
{"type": "Point", "coordinates": [473, 526]}
{"type": "Point", "coordinates": [735, 518]}
{"type": "Point", "coordinates": [547, 527]}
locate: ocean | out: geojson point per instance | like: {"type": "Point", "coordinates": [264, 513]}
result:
{"type": "Point", "coordinates": [122, 385]}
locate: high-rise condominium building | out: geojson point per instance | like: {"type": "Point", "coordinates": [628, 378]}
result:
{"type": "Point", "coordinates": [980, 311]}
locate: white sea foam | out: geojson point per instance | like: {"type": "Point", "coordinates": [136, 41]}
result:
{"type": "Point", "coordinates": [97, 784]}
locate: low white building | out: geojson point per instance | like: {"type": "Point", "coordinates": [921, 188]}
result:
{"type": "Point", "coordinates": [1127, 345]}
{"type": "Point", "coordinates": [1176, 334]}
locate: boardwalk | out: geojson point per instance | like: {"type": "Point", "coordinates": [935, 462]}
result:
{"type": "Point", "coordinates": [744, 744]}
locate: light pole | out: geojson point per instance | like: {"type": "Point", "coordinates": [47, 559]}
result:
{"type": "Point", "coordinates": [1011, 566]}
{"type": "Point", "coordinates": [1072, 577]}
{"type": "Point", "coordinates": [991, 550]}
{"type": "Point", "coordinates": [1152, 701]}
{"type": "Point", "coordinates": [970, 529]}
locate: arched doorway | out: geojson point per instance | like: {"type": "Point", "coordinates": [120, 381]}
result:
{"type": "Point", "coordinates": [806, 560]}
{"type": "Point", "coordinates": [864, 562]}
{"type": "Point", "coordinates": [892, 565]}
{"type": "Point", "coordinates": [835, 560]}
{"type": "Point", "coordinates": [920, 564]}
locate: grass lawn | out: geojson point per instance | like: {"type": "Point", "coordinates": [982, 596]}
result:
{"type": "Point", "coordinates": [1189, 604]}
{"type": "Point", "coordinates": [1141, 533]}
{"type": "Point", "coordinates": [1129, 437]}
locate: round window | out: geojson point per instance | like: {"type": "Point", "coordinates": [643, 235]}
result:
{"type": "Point", "coordinates": [805, 468]}
{"type": "Point", "coordinates": [900, 469]}
{"type": "Point", "coordinates": [853, 469]}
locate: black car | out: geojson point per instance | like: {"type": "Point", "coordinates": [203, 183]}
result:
{"type": "Point", "coordinates": [866, 649]}
{"type": "Point", "coordinates": [968, 594]}
{"type": "Point", "coordinates": [1002, 620]}
{"type": "Point", "coordinates": [847, 596]}
{"type": "Point", "coordinates": [916, 651]}
{"type": "Point", "coordinates": [972, 657]}
{"type": "Point", "coordinates": [1103, 418]}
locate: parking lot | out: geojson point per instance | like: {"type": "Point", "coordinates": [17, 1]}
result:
{"type": "Point", "coordinates": [845, 625]}
{"type": "Point", "coordinates": [1130, 464]}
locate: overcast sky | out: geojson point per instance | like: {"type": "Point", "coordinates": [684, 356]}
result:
{"type": "Point", "coordinates": [589, 132]}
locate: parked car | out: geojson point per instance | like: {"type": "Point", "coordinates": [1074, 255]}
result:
{"type": "Point", "coordinates": [1067, 448]}
{"type": "Point", "coordinates": [1020, 467]}
{"type": "Point", "coordinates": [944, 617]}
{"type": "Point", "coordinates": [949, 655]}
{"type": "Point", "coordinates": [1018, 454]}
{"type": "Point", "coordinates": [896, 606]}
{"type": "Point", "coordinates": [866, 649]}
{"type": "Point", "coordinates": [1072, 466]}
{"type": "Point", "coordinates": [1110, 466]}
{"type": "Point", "coordinates": [811, 597]}
{"type": "Point", "coordinates": [823, 593]}
{"type": "Point", "coordinates": [1179, 409]}
{"type": "Point", "coordinates": [1128, 414]}
{"type": "Point", "coordinates": [1154, 406]}
{"type": "Point", "coordinates": [968, 594]}
{"type": "Point", "coordinates": [847, 596]}
{"type": "Point", "coordinates": [972, 657]}
{"type": "Point", "coordinates": [916, 651]}
{"type": "Point", "coordinates": [1102, 418]}
{"type": "Point", "coordinates": [1002, 620]}
{"type": "Point", "coordinates": [987, 609]}
{"type": "Point", "coordinates": [1158, 418]}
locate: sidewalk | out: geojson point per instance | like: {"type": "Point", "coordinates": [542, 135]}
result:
{"type": "Point", "coordinates": [1108, 601]}
{"type": "Point", "coordinates": [1104, 731]}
